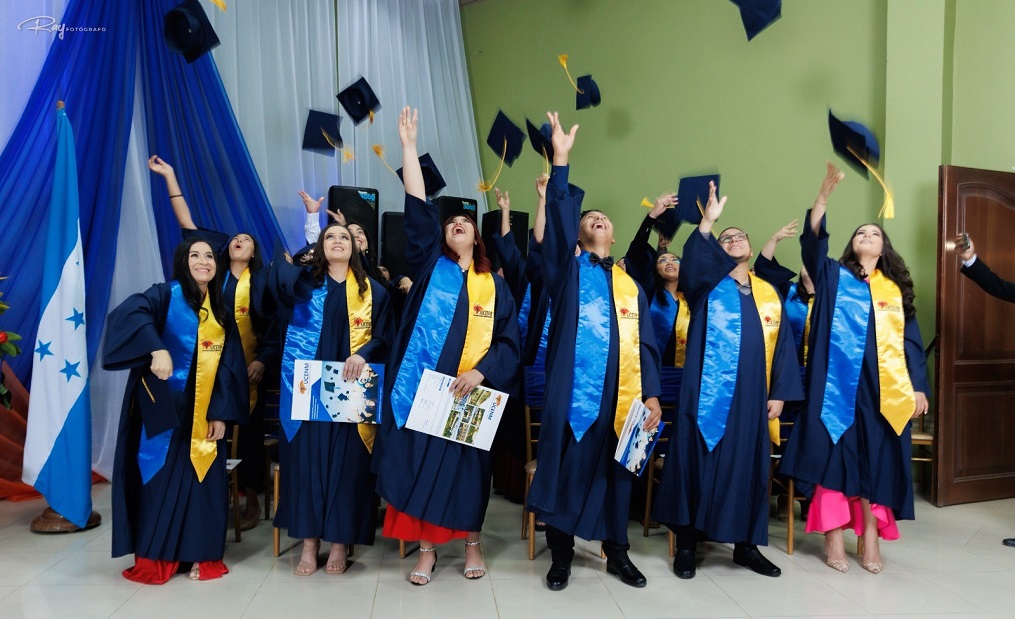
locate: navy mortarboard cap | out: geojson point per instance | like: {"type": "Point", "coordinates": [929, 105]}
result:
{"type": "Point", "coordinates": [855, 143]}
{"type": "Point", "coordinates": [432, 179]}
{"type": "Point", "coordinates": [587, 93]}
{"type": "Point", "coordinates": [155, 403]}
{"type": "Point", "coordinates": [757, 15]}
{"type": "Point", "coordinates": [506, 138]}
{"type": "Point", "coordinates": [359, 101]}
{"type": "Point", "coordinates": [218, 241]}
{"type": "Point", "coordinates": [321, 134]}
{"type": "Point", "coordinates": [691, 191]}
{"type": "Point", "coordinates": [449, 206]}
{"type": "Point", "coordinates": [187, 30]}
{"type": "Point", "coordinates": [540, 139]}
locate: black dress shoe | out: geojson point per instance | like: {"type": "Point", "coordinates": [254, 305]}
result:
{"type": "Point", "coordinates": [683, 564]}
{"type": "Point", "coordinates": [628, 573]}
{"type": "Point", "coordinates": [1008, 541]}
{"type": "Point", "coordinates": [556, 578]}
{"type": "Point", "coordinates": [751, 558]}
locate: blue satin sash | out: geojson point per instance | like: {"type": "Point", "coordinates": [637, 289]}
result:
{"type": "Point", "coordinates": [301, 340]}
{"type": "Point", "coordinates": [846, 345]}
{"type": "Point", "coordinates": [544, 337]}
{"type": "Point", "coordinates": [523, 313]}
{"type": "Point", "coordinates": [721, 360]}
{"type": "Point", "coordinates": [179, 337]}
{"type": "Point", "coordinates": [429, 332]}
{"type": "Point", "coordinates": [664, 317]}
{"type": "Point", "coordinates": [591, 346]}
{"type": "Point", "coordinates": [796, 312]}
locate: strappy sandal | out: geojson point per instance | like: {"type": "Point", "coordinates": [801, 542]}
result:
{"type": "Point", "coordinates": [432, 549]}
{"type": "Point", "coordinates": [337, 567]}
{"type": "Point", "coordinates": [195, 572]}
{"type": "Point", "coordinates": [471, 570]}
{"type": "Point", "coordinates": [310, 568]}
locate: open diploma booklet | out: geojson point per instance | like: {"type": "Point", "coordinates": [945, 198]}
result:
{"type": "Point", "coordinates": [635, 445]}
{"type": "Point", "coordinates": [321, 394]}
{"type": "Point", "coordinates": [471, 419]}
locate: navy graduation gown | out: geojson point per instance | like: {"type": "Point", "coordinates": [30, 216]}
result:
{"type": "Point", "coordinates": [579, 488]}
{"type": "Point", "coordinates": [435, 480]}
{"type": "Point", "coordinates": [173, 517]}
{"type": "Point", "coordinates": [327, 485]}
{"type": "Point", "coordinates": [869, 461]}
{"type": "Point", "coordinates": [724, 493]}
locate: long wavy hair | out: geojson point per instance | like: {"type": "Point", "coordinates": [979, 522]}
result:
{"type": "Point", "coordinates": [890, 263]}
{"type": "Point", "coordinates": [319, 265]}
{"type": "Point", "coordinates": [191, 291]}
{"type": "Point", "coordinates": [480, 261]}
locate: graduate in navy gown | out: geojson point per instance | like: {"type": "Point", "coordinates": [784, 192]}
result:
{"type": "Point", "coordinates": [866, 378]}
{"type": "Point", "coordinates": [601, 355]}
{"type": "Point", "coordinates": [657, 270]}
{"type": "Point", "coordinates": [739, 370]}
{"type": "Point", "coordinates": [187, 380]}
{"type": "Point", "coordinates": [327, 484]}
{"type": "Point", "coordinates": [437, 490]}
{"type": "Point", "coordinates": [243, 280]}
{"type": "Point", "coordinates": [798, 298]}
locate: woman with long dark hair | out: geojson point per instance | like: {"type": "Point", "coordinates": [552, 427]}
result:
{"type": "Point", "coordinates": [331, 312]}
{"type": "Point", "coordinates": [866, 378]}
{"type": "Point", "coordinates": [459, 320]}
{"type": "Point", "coordinates": [187, 380]}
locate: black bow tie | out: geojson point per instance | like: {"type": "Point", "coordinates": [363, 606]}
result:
{"type": "Point", "coordinates": [606, 263]}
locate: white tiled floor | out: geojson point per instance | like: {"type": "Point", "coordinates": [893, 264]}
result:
{"type": "Point", "coordinates": [950, 563]}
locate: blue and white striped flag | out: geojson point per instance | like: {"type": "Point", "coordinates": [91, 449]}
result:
{"type": "Point", "coordinates": [58, 445]}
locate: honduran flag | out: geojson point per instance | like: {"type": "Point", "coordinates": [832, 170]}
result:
{"type": "Point", "coordinates": [58, 445]}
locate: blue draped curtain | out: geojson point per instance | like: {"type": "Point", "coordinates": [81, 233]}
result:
{"type": "Point", "coordinates": [191, 125]}
{"type": "Point", "coordinates": [93, 72]}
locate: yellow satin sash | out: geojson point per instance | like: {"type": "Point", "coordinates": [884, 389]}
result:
{"type": "Point", "coordinates": [360, 310]}
{"type": "Point", "coordinates": [211, 337]}
{"type": "Point", "coordinates": [241, 307]}
{"type": "Point", "coordinates": [625, 299]}
{"type": "Point", "coordinates": [680, 331]}
{"type": "Point", "coordinates": [479, 333]}
{"type": "Point", "coordinates": [770, 311]}
{"type": "Point", "coordinates": [807, 326]}
{"type": "Point", "coordinates": [898, 400]}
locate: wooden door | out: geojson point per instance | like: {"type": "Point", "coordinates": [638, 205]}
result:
{"type": "Point", "coordinates": [975, 393]}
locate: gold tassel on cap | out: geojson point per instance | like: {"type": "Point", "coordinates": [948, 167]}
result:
{"type": "Point", "coordinates": [347, 155]}
{"type": "Point", "coordinates": [484, 186]}
{"type": "Point", "coordinates": [220, 4]}
{"type": "Point", "coordinates": [379, 151]}
{"type": "Point", "coordinates": [371, 116]}
{"type": "Point", "coordinates": [562, 59]}
{"type": "Point", "coordinates": [888, 206]}
{"type": "Point", "coordinates": [645, 202]}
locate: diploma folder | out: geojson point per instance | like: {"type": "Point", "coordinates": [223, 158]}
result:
{"type": "Point", "coordinates": [321, 394]}
{"type": "Point", "coordinates": [470, 420]}
{"type": "Point", "coordinates": [635, 445]}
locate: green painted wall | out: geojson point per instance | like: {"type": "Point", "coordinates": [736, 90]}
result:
{"type": "Point", "coordinates": [685, 93]}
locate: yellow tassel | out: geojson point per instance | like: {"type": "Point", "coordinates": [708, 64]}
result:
{"type": "Point", "coordinates": [701, 208]}
{"type": "Point", "coordinates": [646, 203]}
{"type": "Point", "coordinates": [888, 206]}
{"type": "Point", "coordinates": [330, 139]}
{"type": "Point", "coordinates": [371, 117]}
{"type": "Point", "coordinates": [562, 59]}
{"type": "Point", "coordinates": [347, 156]}
{"type": "Point", "coordinates": [484, 186]}
{"type": "Point", "coordinates": [220, 4]}
{"type": "Point", "coordinates": [379, 151]}
{"type": "Point", "coordinates": [546, 162]}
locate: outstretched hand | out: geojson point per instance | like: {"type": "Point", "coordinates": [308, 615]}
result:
{"type": "Point", "coordinates": [715, 205]}
{"type": "Point", "coordinates": [311, 205]}
{"type": "Point", "coordinates": [408, 125]}
{"type": "Point", "coordinates": [562, 142]}
{"type": "Point", "coordinates": [663, 202]}
{"type": "Point", "coordinates": [160, 167]}
{"type": "Point", "coordinates": [541, 181]}
{"type": "Point", "coordinates": [337, 216]}
{"type": "Point", "coordinates": [786, 232]}
{"type": "Point", "coordinates": [503, 199]}
{"type": "Point", "coordinates": [832, 177]}
{"type": "Point", "coordinates": [964, 247]}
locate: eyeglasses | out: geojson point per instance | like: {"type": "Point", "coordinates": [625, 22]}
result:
{"type": "Point", "coordinates": [668, 260]}
{"type": "Point", "coordinates": [730, 238]}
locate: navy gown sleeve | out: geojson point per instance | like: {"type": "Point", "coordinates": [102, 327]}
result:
{"type": "Point", "coordinates": [563, 213]}
{"type": "Point", "coordinates": [500, 364]}
{"type": "Point", "coordinates": [785, 383]}
{"type": "Point", "coordinates": [514, 265]}
{"type": "Point", "coordinates": [534, 263]}
{"type": "Point", "coordinates": [641, 258]}
{"type": "Point", "coordinates": [422, 234]}
{"type": "Point", "coordinates": [703, 266]}
{"type": "Point", "coordinates": [651, 359]}
{"type": "Point", "coordinates": [288, 284]}
{"type": "Point", "coordinates": [916, 359]}
{"type": "Point", "coordinates": [230, 398]}
{"type": "Point", "coordinates": [138, 322]}
{"type": "Point", "coordinates": [814, 252]}
{"type": "Point", "coordinates": [383, 326]}
{"type": "Point", "coordinates": [774, 273]}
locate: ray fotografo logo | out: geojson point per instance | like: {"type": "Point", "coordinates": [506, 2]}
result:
{"type": "Point", "coordinates": [45, 23]}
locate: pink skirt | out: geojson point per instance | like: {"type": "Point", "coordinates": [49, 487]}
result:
{"type": "Point", "coordinates": [833, 510]}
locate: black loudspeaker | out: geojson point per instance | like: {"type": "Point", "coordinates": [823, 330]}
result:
{"type": "Point", "coordinates": [449, 206]}
{"type": "Point", "coordinates": [519, 229]}
{"type": "Point", "coordinates": [393, 244]}
{"type": "Point", "coordinates": [359, 206]}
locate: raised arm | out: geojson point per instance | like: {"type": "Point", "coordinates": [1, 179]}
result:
{"type": "Point", "coordinates": [785, 232]}
{"type": "Point", "coordinates": [563, 208]}
{"type": "Point", "coordinates": [539, 225]}
{"type": "Point", "coordinates": [504, 204]}
{"type": "Point", "coordinates": [176, 199]}
{"type": "Point", "coordinates": [312, 226]}
{"type": "Point", "coordinates": [705, 262]}
{"type": "Point", "coordinates": [412, 173]}
{"type": "Point", "coordinates": [832, 177]}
